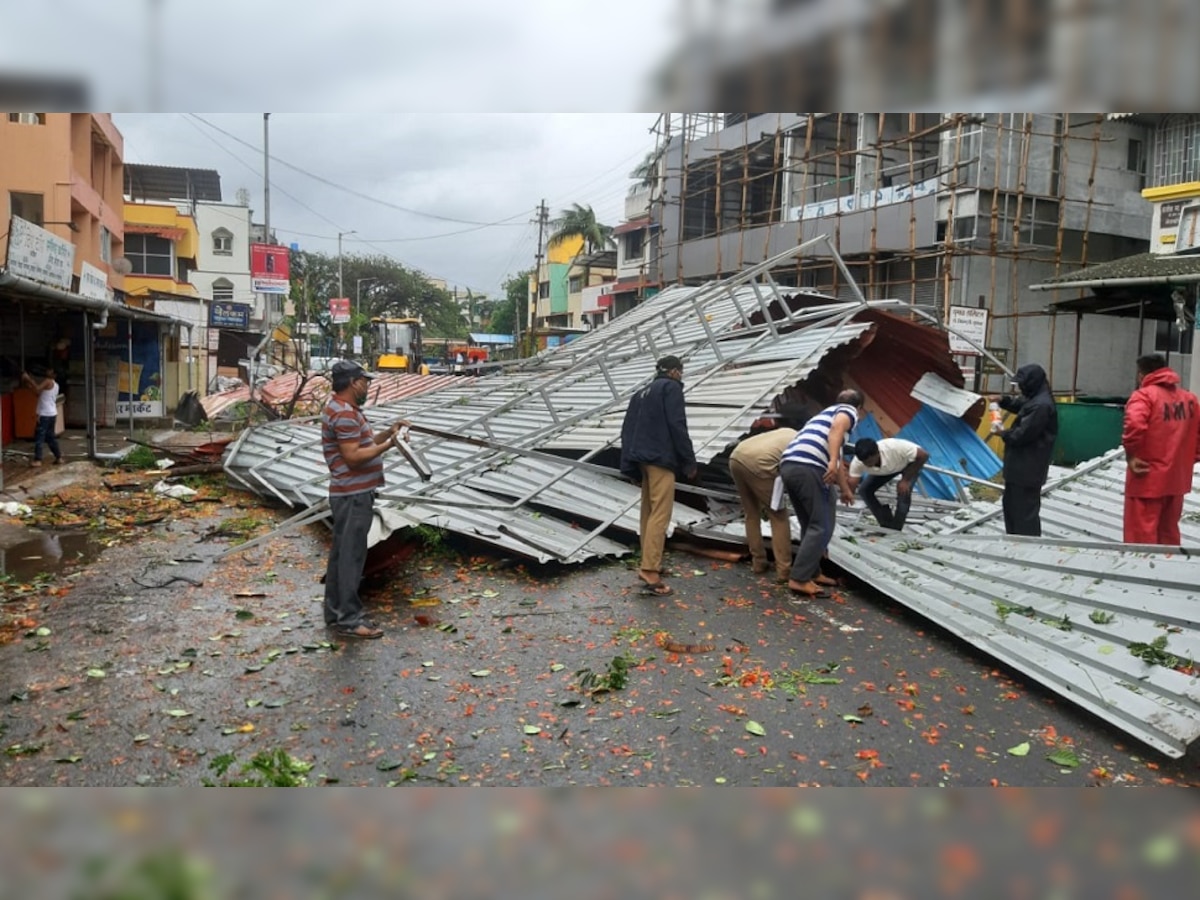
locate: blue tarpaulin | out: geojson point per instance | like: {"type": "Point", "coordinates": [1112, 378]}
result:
{"type": "Point", "coordinates": [951, 444]}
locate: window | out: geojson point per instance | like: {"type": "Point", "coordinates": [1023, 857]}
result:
{"type": "Point", "coordinates": [543, 290]}
{"type": "Point", "coordinates": [105, 245]}
{"type": "Point", "coordinates": [27, 206]}
{"type": "Point", "coordinates": [222, 242]}
{"type": "Point", "coordinates": [27, 118]}
{"type": "Point", "coordinates": [1135, 157]}
{"type": "Point", "coordinates": [149, 254]}
{"type": "Point", "coordinates": [634, 243]}
{"type": "Point", "coordinates": [1169, 339]}
{"type": "Point", "coordinates": [575, 284]}
{"type": "Point", "coordinates": [222, 291]}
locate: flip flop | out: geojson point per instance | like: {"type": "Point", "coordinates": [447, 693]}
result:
{"type": "Point", "coordinates": [658, 588]}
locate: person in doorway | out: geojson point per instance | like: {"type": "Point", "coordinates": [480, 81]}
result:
{"type": "Point", "coordinates": [811, 464]}
{"type": "Point", "coordinates": [1028, 446]}
{"type": "Point", "coordinates": [47, 415]}
{"type": "Point", "coordinates": [655, 448]}
{"type": "Point", "coordinates": [875, 464]}
{"type": "Point", "coordinates": [352, 452]}
{"type": "Point", "coordinates": [1161, 438]}
{"type": "Point", "coordinates": [754, 466]}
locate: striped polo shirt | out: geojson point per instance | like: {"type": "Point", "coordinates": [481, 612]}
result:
{"type": "Point", "coordinates": [810, 446]}
{"type": "Point", "coordinates": [345, 422]}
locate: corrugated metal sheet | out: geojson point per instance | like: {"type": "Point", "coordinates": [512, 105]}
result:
{"type": "Point", "coordinates": [386, 388]}
{"type": "Point", "coordinates": [1041, 605]}
{"type": "Point", "coordinates": [572, 399]}
{"type": "Point", "coordinates": [912, 350]}
{"type": "Point", "coordinates": [932, 390]}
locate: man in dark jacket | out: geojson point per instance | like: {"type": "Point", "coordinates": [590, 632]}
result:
{"type": "Point", "coordinates": [655, 447]}
{"type": "Point", "coordinates": [1028, 446]}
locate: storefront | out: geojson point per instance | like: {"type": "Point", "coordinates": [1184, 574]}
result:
{"type": "Point", "coordinates": [108, 358]}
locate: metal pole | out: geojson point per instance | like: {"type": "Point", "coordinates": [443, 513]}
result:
{"type": "Point", "coordinates": [89, 383]}
{"type": "Point", "coordinates": [129, 375]}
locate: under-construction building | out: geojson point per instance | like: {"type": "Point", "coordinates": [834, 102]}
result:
{"type": "Point", "coordinates": [944, 210]}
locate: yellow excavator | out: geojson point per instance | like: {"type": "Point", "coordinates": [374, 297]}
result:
{"type": "Point", "coordinates": [397, 345]}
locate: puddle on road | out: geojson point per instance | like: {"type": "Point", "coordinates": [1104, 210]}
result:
{"type": "Point", "coordinates": [48, 552]}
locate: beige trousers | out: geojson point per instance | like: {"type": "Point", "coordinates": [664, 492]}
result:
{"type": "Point", "coordinates": [755, 493]}
{"type": "Point", "coordinates": [658, 501]}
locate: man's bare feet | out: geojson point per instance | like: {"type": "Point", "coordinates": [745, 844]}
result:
{"type": "Point", "coordinates": [808, 588]}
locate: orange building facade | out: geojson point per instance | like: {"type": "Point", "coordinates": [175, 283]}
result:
{"type": "Point", "coordinates": [64, 172]}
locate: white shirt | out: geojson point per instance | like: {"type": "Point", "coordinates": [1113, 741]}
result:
{"type": "Point", "coordinates": [47, 404]}
{"type": "Point", "coordinates": [895, 455]}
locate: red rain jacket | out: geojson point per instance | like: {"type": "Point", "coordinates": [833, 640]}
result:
{"type": "Point", "coordinates": [1162, 427]}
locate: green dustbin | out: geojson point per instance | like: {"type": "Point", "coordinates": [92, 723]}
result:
{"type": "Point", "coordinates": [1088, 427]}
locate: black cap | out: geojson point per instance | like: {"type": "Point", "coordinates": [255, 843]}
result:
{"type": "Point", "coordinates": [349, 370]}
{"type": "Point", "coordinates": [667, 363]}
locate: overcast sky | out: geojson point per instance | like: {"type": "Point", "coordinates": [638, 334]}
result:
{"type": "Point", "coordinates": [466, 168]}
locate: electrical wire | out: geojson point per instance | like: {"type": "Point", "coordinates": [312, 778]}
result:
{"type": "Point", "coordinates": [355, 193]}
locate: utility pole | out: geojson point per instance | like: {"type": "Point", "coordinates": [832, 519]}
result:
{"type": "Point", "coordinates": [543, 219]}
{"type": "Point", "coordinates": [268, 300]}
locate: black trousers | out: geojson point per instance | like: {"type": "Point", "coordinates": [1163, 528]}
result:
{"type": "Point", "coordinates": [1022, 509]}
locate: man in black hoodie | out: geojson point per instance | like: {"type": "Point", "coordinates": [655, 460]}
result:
{"type": "Point", "coordinates": [655, 447]}
{"type": "Point", "coordinates": [1028, 446]}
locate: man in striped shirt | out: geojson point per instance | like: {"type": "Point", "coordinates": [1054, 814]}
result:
{"type": "Point", "coordinates": [811, 464]}
{"type": "Point", "coordinates": [352, 452]}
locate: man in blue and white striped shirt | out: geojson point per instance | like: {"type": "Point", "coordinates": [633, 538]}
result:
{"type": "Point", "coordinates": [809, 467]}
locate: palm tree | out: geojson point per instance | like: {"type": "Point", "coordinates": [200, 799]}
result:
{"type": "Point", "coordinates": [580, 221]}
{"type": "Point", "coordinates": [646, 172]}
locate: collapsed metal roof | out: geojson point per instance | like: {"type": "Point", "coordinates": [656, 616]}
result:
{"type": "Point", "coordinates": [514, 464]}
{"type": "Point", "coordinates": [512, 453]}
{"type": "Point", "coordinates": [1066, 609]}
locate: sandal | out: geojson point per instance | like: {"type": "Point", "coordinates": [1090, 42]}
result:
{"type": "Point", "coordinates": [364, 631]}
{"type": "Point", "coordinates": [826, 580]}
{"type": "Point", "coordinates": [658, 588]}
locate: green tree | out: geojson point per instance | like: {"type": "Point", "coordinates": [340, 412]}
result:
{"type": "Point", "coordinates": [580, 221]}
{"type": "Point", "coordinates": [516, 297]}
{"type": "Point", "coordinates": [377, 286]}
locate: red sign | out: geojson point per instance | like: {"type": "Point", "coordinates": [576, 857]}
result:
{"type": "Point", "coordinates": [339, 310]}
{"type": "Point", "coordinates": [269, 268]}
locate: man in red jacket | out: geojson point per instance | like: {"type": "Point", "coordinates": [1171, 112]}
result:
{"type": "Point", "coordinates": [1162, 444]}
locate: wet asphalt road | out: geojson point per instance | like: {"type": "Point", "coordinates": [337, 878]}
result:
{"type": "Point", "coordinates": [477, 680]}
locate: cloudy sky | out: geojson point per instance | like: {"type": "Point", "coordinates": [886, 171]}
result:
{"type": "Point", "coordinates": [422, 188]}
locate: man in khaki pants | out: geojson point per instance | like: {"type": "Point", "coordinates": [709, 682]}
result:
{"type": "Point", "coordinates": [655, 447]}
{"type": "Point", "coordinates": [754, 465]}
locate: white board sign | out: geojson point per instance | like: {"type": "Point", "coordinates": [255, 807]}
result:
{"type": "Point", "coordinates": [972, 323]}
{"type": "Point", "coordinates": [92, 282]}
{"type": "Point", "coordinates": [37, 254]}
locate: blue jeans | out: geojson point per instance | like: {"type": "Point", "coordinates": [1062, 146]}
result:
{"type": "Point", "coordinates": [45, 433]}
{"type": "Point", "coordinates": [882, 512]}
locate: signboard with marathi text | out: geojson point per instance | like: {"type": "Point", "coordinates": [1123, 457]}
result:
{"type": "Point", "coordinates": [38, 255]}
{"type": "Point", "coordinates": [223, 314]}
{"type": "Point", "coordinates": [139, 380]}
{"type": "Point", "coordinates": [269, 269]}
{"type": "Point", "coordinates": [971, 323]}
{"type": "Point", "coordinates": [339, 310]}
{"type": "Point", "coordinates": [92, 282]}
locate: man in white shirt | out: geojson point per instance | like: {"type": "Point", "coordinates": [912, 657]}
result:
{"type": "Point", "coordinates": [878, 462]}
{"type": "Point", "coordinates": [47, 415]}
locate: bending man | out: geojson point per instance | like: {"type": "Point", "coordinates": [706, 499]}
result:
{"type": "Point", "coordinates": [876, 463]}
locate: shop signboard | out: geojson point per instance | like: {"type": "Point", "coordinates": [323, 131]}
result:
{"type": "Point", "coordinates": [269, 268]}
{"type": "Point", "coordinates": [38, 255]}
{"type": "Point", "coordinates": [223, 314]}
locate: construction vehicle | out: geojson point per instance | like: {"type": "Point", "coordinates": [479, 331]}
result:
{"type": "Point", "coordinates": [396, 345]}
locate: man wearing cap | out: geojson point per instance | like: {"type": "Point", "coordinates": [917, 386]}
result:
{"type": "Point", "coordinates": [352, 452]}
{"type": "Point", "coordinates": [655, 447]}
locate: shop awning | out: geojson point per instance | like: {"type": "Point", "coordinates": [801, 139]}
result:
{"type": "Point", "coordinates": [25, 289]}
{"type": "Point", "coordinates": [166, 231]}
